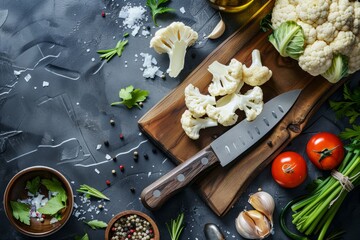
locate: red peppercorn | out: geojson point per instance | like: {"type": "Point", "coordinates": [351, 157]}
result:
{"type": "Point", "coordinates": [129, 236]}
{"type": "Point", "coordinates": [132, 230]}
{"type": "Point", "coordinates": [121, 168]}
{"type": "Point", "coordinates": [150, 230]}
{"type": "Point", "coordinates": [113, 229]}
{"type": "Point", "coordinates": [103, 14]}
{"type": "Point", "coordinates": [107, 182]}
{"type": "Point", "coordinates": [121, 136]}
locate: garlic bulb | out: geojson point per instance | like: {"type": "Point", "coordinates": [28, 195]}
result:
{"type": "Point", "coordinates": [264, 203]}
{"type": "Point", "coordinates": [218, 30]}
{"type": "Point", "coordinates": [252, 225]}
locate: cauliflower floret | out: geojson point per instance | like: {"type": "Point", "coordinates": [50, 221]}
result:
{"type": "Point", "coordinates": [197, 102]}
{"type": "Point", "coordinates": [317, 58]}
{"type": "Point", "coordinates": [225, 109]}
{"type": "Point", "coordinates": [343, 43]}
{"type": "Point", "coordinates": [313, 11]}
{"type": "Point", "coordinates": [224, 112]}
{"type": "Point", "coordinates": [283, 11]}
{"type": "Point", "coordinates": [252, 103]}
{"type": "Point", "coordinates": [356, 24]}
{"type": "Point", "coordinates": [326, 32]}
{"type": "Point", "coordinates": [256, 74]}
{"type": "Point", "coordinates": [309, 32]}
{"type": "Point", "coordinates": [342, 15]}
{"type": "Point", "coordinates": [174, 40]}
{"type": "Point", "coordinates": [192, 126]}
{"type": "Point", "coordinates": [226, 79]}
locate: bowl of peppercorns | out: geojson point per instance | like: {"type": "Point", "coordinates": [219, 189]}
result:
{"type": "Point", "coordinates": [132, 224]}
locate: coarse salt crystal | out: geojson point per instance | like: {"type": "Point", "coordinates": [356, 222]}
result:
{"type": "Point", "coordinates": [132, 15]}
{"type": "Point", "coordinates": [182, 10]}
{"type": "Point", "coordinates": [45, 84]}
{"type": "Point", "coordinates": [27, 77]}
{"type": "Point", "coordinates": [97, 171]}
{"type": "Point", "coordinates": [98, 146]}
{"type": "Point", "coordinates": [108, 157]}
{"type": "Point", "coordinates": [135, 31]}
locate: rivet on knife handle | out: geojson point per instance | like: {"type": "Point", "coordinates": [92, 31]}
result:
{"type": "Point", "coordinates": [159, 191]}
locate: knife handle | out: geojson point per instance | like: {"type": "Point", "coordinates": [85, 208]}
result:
{"type": "Point", "coordinates": [154, 195]}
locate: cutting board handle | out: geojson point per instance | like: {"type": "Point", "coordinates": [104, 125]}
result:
{"type": "Point", "coordinates": [156, 194]}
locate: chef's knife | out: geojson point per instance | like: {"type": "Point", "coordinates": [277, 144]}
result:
{"type": "Point", "coordinates": [223, 150]}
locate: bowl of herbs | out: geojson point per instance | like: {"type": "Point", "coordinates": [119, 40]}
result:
{"type": "Point", "coordinates": [38, 201]}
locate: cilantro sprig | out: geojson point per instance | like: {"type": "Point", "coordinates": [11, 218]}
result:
{"type": "Point", "coordinates": [108, 54]}
{"type": "Point", "coordinates": [156, 9]}
{"type": "Point", "coordinates": [131, 97]}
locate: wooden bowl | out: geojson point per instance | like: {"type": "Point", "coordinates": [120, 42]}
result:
{"type": "Point", "coordinates": [109, 232]}
{"type": "Point", "coordinates": [16, 190]}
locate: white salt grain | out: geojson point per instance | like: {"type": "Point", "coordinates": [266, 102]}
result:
{"type": "Point", "coordinates": [98, 146]}
{"type": "Point", "coordinates": [97, 171]}
{"type": "Point", "coordinates": [182, 10]}
{"type": "Point", "coordinates": [108, 157]}
{"type": "Point", "coordinates": [45, 84]}
{"type": "Point", "coordinates": [27, 77]}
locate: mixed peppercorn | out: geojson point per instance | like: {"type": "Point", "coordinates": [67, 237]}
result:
{"type": "Point", "coordinates": [132, 227]}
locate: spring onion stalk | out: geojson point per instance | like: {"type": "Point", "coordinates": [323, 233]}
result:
{"type": "Point", "coordinates": [314, 213]}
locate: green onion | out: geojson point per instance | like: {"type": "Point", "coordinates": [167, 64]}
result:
{"type": "Point", "coordinates": [314, 213]}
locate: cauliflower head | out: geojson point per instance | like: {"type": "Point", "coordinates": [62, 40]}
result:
{"type": "Point", "coordinates": [226, 78]}
{"type": "Point", "coordinates": [174, 40]}
{"type": "Point", "coordinates": [329, 27]}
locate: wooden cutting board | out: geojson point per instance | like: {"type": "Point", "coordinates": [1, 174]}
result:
{"type": "Point", "coordinates": [221, 187]}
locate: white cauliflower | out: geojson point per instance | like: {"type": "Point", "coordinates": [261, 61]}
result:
{"type": "Point", "coordinates": [224, 111]}
{"type": "Point", "coordinates": [197, 102]}
{"type": "Point", "coordinates": [316, 58]}
{"type": "Point", "coordinates": [256, 74]}
{"type": "Point", "coordinates": [192, 125]}
{"type": "Point", "coordinates": [329, 28]}
{"type": "Point", "coordinates": [226, 79]}
{"type": "Point", "coordinates": [174, 40]}
{"type": "Point", "coordinates": [252, 103]}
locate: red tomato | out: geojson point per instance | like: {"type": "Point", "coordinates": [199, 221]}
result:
{"type": "Point", "coordinates": [325, 150]}
{"type": "Point", "coordinates": [289, 169]}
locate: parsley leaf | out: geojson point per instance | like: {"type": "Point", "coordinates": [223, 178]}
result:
{"type": "Point", "coordinates": [94, 224]}
{"type": "Point", "coordinates": [21, 212]}
{"type": "Point", "coordinates": [55, 185]}
{"type": "Point", "coordinates": [350, 106]}
{"type": "Point", "coordinates": [85, 237]}
{"type": "Point", "coordinates": [108, 54]}
{"type": "Point", "coordinates": [54, 205]}
{"type": "Point", "coordinates": [33, 185]}
{"type": "Point", "coordinates": [131, 97]}
{"type": "Point", "coordinates": [155, 8]}
{"type": "Point", "coordinates": [351, 133]}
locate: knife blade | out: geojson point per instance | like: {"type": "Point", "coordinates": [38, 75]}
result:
{"type": "Point", "coordinates": [223, 150]}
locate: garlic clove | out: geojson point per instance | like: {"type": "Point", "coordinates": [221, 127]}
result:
{"type": "Point", "coordinates": [252, 225]}
{"type": "Point", "coordinates": [218, 30]}
{"type": "Point", "coordinates": [264, 203]}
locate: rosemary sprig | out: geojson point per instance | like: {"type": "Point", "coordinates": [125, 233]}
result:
{"type": "Point", "coordinates": [108, 54]}
{"type": "Point", "coordinates": [176, 226]}
{"type": "Point", "coordinates": [90, 191]}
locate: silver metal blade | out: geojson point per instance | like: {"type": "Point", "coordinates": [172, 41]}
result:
{"type": "Point", "coordinates": [242, 136]}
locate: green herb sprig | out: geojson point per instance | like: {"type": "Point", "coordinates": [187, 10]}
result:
{"type": "Point", "coordinates": [90, 191]}
{"type": "Point", "coordinates": [131, 97]}
{"type": "Point", "coordinates": [84, 237]}
{"type": "Point", "coordinates": [350, 106]}
{"type": "Point", "coordinates": [156, 9]}
{"type": "Point", "coordinates": [108, 54]}
{"type": "Point", "coordinates": [95, 224]}
{"type": "Point", "coordinates": [21, 211]}
{"type": "Point", "coordinates": [176, 226]}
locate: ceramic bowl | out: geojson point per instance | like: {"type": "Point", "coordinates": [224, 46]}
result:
{"type": "Point", "coordinates": [110, 231]}
{"type": "Point", "coordinates": [16, 190]}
